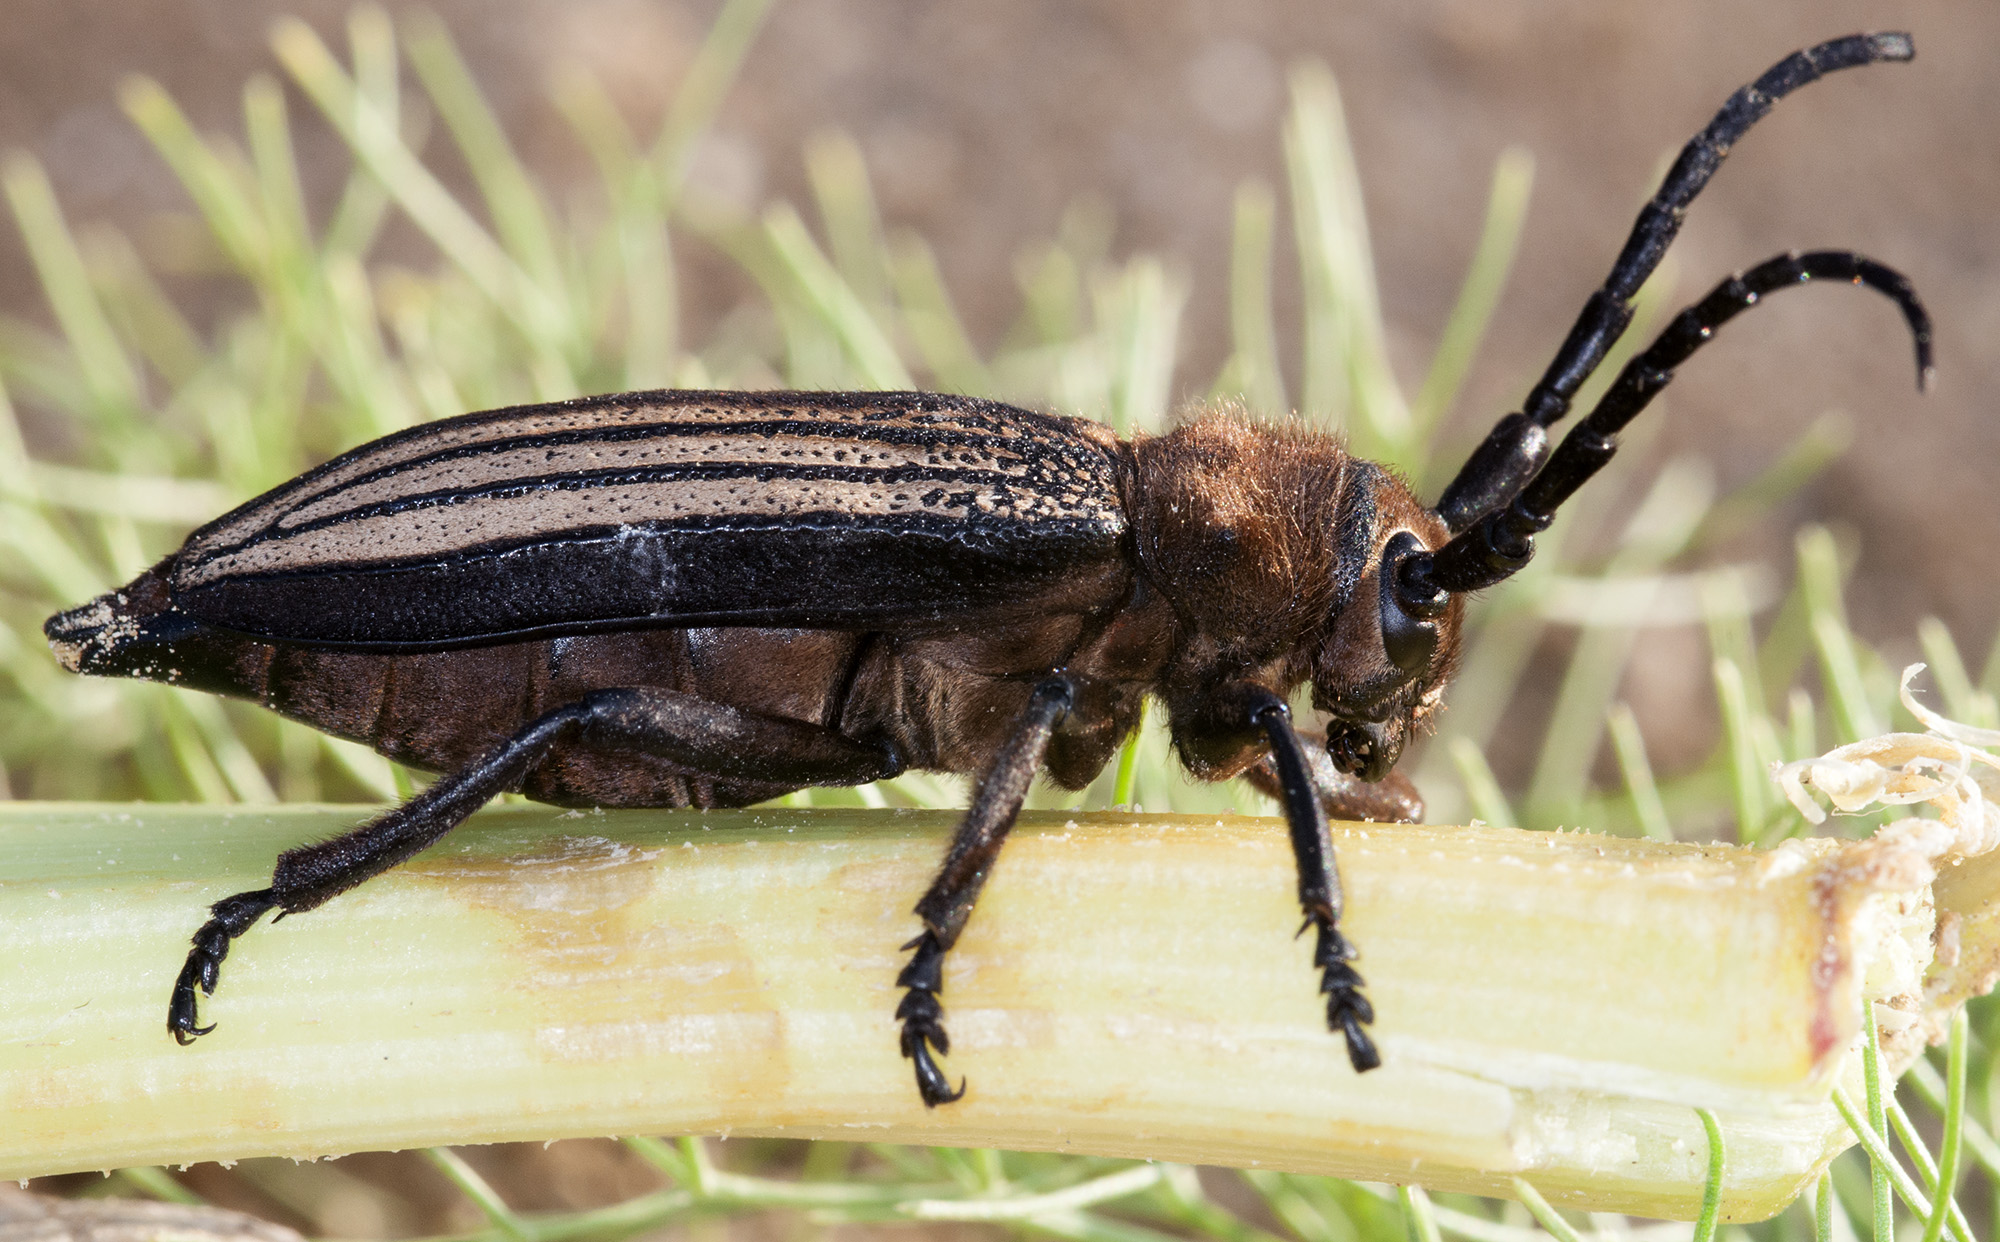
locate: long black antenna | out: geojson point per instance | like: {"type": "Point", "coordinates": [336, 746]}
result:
{"type": "Point", "coordinates": [1514, 451]}
{"type": "Point", "coordinates": [1501, 542]}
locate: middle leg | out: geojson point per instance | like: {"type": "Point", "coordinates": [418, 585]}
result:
{"type": "Point", "coordinates": [948, 903]}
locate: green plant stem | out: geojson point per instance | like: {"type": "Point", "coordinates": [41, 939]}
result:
{"type": "Point", "coordinates": [1943, 1197]}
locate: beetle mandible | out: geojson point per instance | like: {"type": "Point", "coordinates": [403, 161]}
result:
{"type": "Point", "coordinates": [710, 599]}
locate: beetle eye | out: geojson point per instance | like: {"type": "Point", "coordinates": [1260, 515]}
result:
{"type": "Point", "coordinates": [1408, 638]}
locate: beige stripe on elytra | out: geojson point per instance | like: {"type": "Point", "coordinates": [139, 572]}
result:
{"type": "Point", "coordinates": [483, 470]}
{"type": "Point", "coordinates": [423, 534]}
{"type": "Point", "coordinates": [445, 436]}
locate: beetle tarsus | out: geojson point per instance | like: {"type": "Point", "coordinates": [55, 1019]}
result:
{"type": "Point", "coordinates": [229, 918]}
{"type": "Point", "coordinates": [922, 1017]}
{"type": "Point", "coordinates": [1347, 1010]}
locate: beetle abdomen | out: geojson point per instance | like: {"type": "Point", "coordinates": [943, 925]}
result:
{"type": "Point", "coordinates": [674, 508]}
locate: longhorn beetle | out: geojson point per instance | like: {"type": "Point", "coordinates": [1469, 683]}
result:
{"type": "Point", "coordinates": [710, 599]}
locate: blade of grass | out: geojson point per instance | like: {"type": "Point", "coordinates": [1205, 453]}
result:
{"type": "Point", "coordinates": [1819, 446]}
{"type": "Point", "coordinates": [1251, 322]}
{"type": "Point", "coordinates": [932, 320]}
{"type": "Point", "coordinates": [1187, 1205]}
{"type": "Point", "coordinates": [1485, 277]}
{"type": "Point", "coordinates": [1051, 284]}
{"type": "Point", "coordinates": [1801, 728]}
{"type": "Point", "coordinates": [1726, 612]}
{"type": "Point", "coordinates": [1481, 787]}
{"type": "Point", "coordinates": [1139, 314]}
{"type": "Point", "coordinates": [428, 204]}
{"type": "Point", "coordinates": [140, 311]}
{"type": "Point", "coordinates": [1126, 782]}
{"type": "Point", "coordinates": [1347, 375]}
{"type": "Point", "coordinates": [1711, 1197]}
{"type": "Point", "coordinates": [639, 217]}
{"type": "Point", "coordinates": [1547, 1216]}
{"type": "Point", "coordinates": [219, 190]}
{"type": "Point", "coordinates": [703, 88]}
{"type": "Point", "coordinates": [686, 1162]}
{"type": "Point", "coordinates": [378, 79]}
{"type": "Point", "coordinates": [477, 1189]}
{"type": "Point", "coordinates": [357, 357]}
{"type": "Point", "coordinates": [287, 231]}
{"type": "Point", "coordinates": [1658, 529]}
{"type": "Point", "coordinates": [519, 216]}
{"type": "Point", "coordinates": [1747, 777]}
{"type": "Point", "coordinates": [1878, 1126]}
{"type": "Point", "coordinates": [846, 200]}
{"type": "Point", "coordinates": [1941, 1181]}
{"type": "Point", "coordinates": [1962, 701]}
{"type": "Point", "coordinates": [1282, 1197]}
{"type": "Point", "coordinates": [1421, 1215]}
{"type": "Point", "coordinates": [1840, 669]}
{"type": "Point", "coordinates": [1118, 1185]}
{"type": "Point", "coordinates": [190, 750]}
{"type": "Point", "coordinates": [157, 1182]}
{"type": "Point", "coordinates": [1973, 1135]}
{"type": "Point", "coordinates": [1630, 747]}
{"type": "Point", "coordinates": [1882, 1161]}
{"type": "Point", "coordinates": [834, 301]}
{"type": "Point", "coordinates": [247, 782]}
{"type": "Point", "coordinates": [107, 370]}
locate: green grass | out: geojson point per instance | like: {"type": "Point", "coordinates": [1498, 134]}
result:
{"type": "Point", "coordinates": [164, 425]}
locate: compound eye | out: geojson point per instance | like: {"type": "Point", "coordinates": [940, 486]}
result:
{"type": "Point", "coordinates": [1409, 638]}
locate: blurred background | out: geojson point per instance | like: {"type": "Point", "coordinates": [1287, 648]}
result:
{"type": "Point", "coordinates": [1116, 136]}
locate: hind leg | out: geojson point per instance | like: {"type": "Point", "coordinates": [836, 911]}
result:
{"type": "Point", "coordinates": [721, 742]}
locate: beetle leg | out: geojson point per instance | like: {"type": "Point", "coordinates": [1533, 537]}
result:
{"type": "Point", "coordinates": [1392, 800]}
{"type": "Point", "coordinates": [231, 917]}
{"type": "Point", "coordinates": [948, 903]}
{"type": "Point", "coordinates": [1347, 1010]}
{"type": "Point", "coordinates": [709, 737]}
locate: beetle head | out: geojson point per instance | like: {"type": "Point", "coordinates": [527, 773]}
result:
{"type": "Point", "coordinates": [1381, 668]}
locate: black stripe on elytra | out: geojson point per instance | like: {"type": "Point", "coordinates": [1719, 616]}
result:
{"type": "Point", "coordinates": [804, 525]}
{"type": "Point", "coordinates": [950, 482]}
{"type": "Point", "coordinates": [799, 574]}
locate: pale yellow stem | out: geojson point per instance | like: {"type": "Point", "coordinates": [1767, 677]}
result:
{"type": "Point", "coordinates": [1553, 1007]}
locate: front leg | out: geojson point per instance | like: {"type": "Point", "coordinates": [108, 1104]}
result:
{"type": "Point", "coordinates": [948, 903]}
{"type": "Point", "coordinates": [1347, 1010]}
